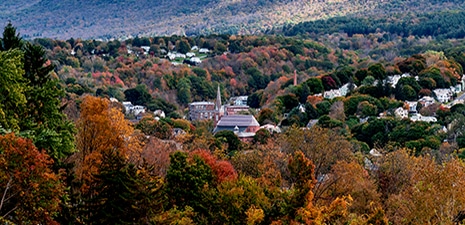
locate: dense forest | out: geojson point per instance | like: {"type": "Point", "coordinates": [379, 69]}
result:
{"type": "Point", "coordinates": [70, 155]}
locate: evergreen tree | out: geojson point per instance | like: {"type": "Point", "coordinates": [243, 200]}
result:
{"type": "Point", "coordinates": [33, 97]}
{"type": "Point", "coordinates": [10, 39]}
{"type": "Point", "coordinates": [12, 89]}
{"type": "Point", "coordinates": [126, 194]}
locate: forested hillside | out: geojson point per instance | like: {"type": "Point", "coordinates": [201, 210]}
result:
{"type": "Point", "coordinates": [358, 120]}
{"type": "Point", "coordinates": [120, 19]}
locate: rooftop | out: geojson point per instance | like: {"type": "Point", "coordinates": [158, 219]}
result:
{"type": "Point", "coordinates": [238, 120]}
{"type": "Point", "coordinates": [202, 103]}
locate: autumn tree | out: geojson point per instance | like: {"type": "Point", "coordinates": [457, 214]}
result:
{"type": "Point", "coordinates": [323, 146]}
{"type": "Point", "coordinates": [30, 191]}
{"type": "Point", "coordinates": [100, 129]}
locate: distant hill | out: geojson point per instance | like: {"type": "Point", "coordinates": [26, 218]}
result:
{"type": "Point", "coordinates": [64, 19]}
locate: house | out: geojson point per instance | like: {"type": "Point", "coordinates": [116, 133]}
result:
{"type": "Point", "coordinates": [426, 101]}
{"type": "Point", "coordinates": [128, 107]}
{"type": "Point", "coordinates": [411, 106]}
{"type": "Point", "coordinates": [238, 124]}
{"type": "Point", "coordinates": [196, 60]}
{"type": "Point", "coordinates": [401, 113]}
{"type": "Point", "coordinates": [235, 109]}
{"type": "Point", "coordinates": [159, 113]}
{"type": "Point", "coordinates": [393, 80]}
{"type": "Point", "coordinates": [138, 110]}
{"type": "Point", "coordinates": [342, 91]}
{"type": "Point", "coordinates": [133, 109]}
{"type": "Point", "coordinates": [332, 94]}
{"type": "Point", "coordinates": [195, 48]}
{"type": "Point", "coordinates": [146, 49]}
{"type": "Point", "coordinates": [207, 110]}
{"type": "Point", "coordinates": [239, 100]}
{"type": "Point", "coordinates": [202, 111]}
{"type": "Point", "coordinates": [346, 88]}
{"type": "Point", "coordinates": [419, 117]}
{"type": "Point", "coordinates": [190, 54]}
{"type": "Point", "coordinates": [204, 50]}
{"type": "Point", "coordinates": [271, 128]}
{"type": "Point", "coordinates": [443, 94]}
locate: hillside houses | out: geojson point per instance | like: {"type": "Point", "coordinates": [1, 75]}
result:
{"type": "Point", "coordinates": [342, 91]}
{"type": "Point", "coordinates": [133, 109]}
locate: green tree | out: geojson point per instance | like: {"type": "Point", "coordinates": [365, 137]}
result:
{"type": "Point", "coordinates": [186, 182]}
{"type": "Point", "coordinates": [228, 137]}
{"type": "Point", "coordinates": [138, 95]}
{"type": "Point", "coordinates": [10, 39]}
{"type": "Point", "coordinates": [262, 136]}
{"type": "Point", "coordinates": [183, 46]}
{"type": "Point", "coordinates": [377, 71]}
{"type": "Point", "coordinates": [43, 115]}
{"type": "Point", "coordinates": [184, 91]}
{"type": "Point", "coordinates": [315, 85]}
{"type": "Point", "coordinates": [12, 89]}
{"type": "Point", "coordinates": [126, 193]}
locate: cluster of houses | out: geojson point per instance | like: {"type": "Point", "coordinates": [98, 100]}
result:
{"type": "Point", "coordinates": [409, 110]}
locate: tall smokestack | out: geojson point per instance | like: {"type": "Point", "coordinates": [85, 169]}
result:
{"type": "Point", "coordinates": [295, 77]}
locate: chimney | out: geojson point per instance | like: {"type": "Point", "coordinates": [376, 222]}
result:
{"type": "Point", "coordinates": [295, 77]}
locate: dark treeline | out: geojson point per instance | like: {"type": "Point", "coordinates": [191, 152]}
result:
{"type": "Point", "coordinates": [446, 24]}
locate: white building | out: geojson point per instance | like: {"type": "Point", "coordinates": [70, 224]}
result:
{"type": "Point", "coordinates": [204, 50]}
{"type": "Point", "coordinates": [401, 113]}
{"type": "Point", "coordinates": [426, 101]}
{"type": "Point", "coordinates": [133, 109]}
{"type": "Point", "coordinates": [419, 117]}
{"type": "Point", "coordinates": [443, 94]}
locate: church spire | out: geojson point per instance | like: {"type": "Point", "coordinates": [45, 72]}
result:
{"type": "Point", "coordinates": [218, 99]}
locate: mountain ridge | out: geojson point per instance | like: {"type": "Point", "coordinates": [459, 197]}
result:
{"type": "Point", "coordinates": [126, 18]}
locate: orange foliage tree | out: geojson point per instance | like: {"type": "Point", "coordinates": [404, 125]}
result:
{"type": "Point", "coordinates": [30, 190]}
{"type": "Point", "coordinates": [101, 128]}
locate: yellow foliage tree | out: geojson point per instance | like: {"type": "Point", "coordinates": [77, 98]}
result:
{"type": "Point", "coordinates": [101, 128]}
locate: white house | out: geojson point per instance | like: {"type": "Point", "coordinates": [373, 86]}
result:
{"type": "Point", "coordinates": [239, 100]}
{"type": "Point", "coordinates": [133, 109]}
{"type": "Point", "coordinates": [138, 109]}
{"type": "Point", "coordinates": [401, 113]}
{"type": "Point", "coordinates": [393, 80]}
{"type": "Point", "coordinates": [426, 101]}
{"type": "Point", "coordinates": [342, 91]}
{"type": "Point", "coordinates": [196, 60]}
{"type": "Point", "coordinates": [443, 94]}
{"type": "Point", "coordinates": [332, 94]}
{"type": "Point", "coordinates": [412, 106]}
{"type": "Point", "coordinates": [190, 54]}
{"type": "Point", "coordinates": [128, 106]}
{"type": "Point", "coordinates": [146, 49]}
{"type": "Point", "coordinates": [419, 117]}
{"type": "Point", "coordinates": [204, 50]}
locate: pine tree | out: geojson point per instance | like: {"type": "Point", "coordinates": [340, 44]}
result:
{"type": "Point", "coordinates": [126, 194]}
{"type": "Point", "coordinates": [10, 39]}
{"type": "Point", "coordinates": [32, 97]}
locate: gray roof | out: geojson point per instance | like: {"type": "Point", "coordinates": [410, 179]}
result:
{"type": "Point", "coordinates": [238, 120]}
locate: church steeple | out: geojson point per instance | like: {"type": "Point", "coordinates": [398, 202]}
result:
{"type": "Point", "coordinates": [218, 99]}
